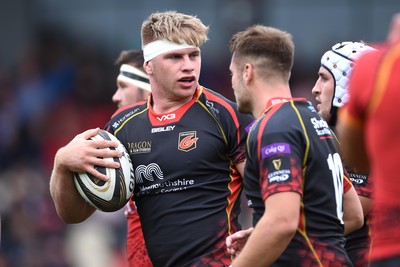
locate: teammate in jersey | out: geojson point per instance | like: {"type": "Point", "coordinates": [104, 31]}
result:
{"type": "Point", "coordinates": [187, 145]}
{"type": "Point", "coordinates": [294, 176]}
{"type": "Point", "coordinates": [331, 93]}
{"type": "Point", "coordinates": [367, 128]}
{"type": "Point", "coordinates": [133, 86]}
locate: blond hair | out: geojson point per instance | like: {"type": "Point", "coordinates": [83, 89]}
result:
{"type": "Point", "coordinates": [175, 27]}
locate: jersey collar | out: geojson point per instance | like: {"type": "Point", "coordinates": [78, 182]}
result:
{"type": "Point", "coordinates": [173, 116]}
{"type": "Point", "coordinates": [278, 100]}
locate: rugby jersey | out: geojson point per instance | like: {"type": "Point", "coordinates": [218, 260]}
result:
{"type": "Point", "coordinates": [374, 95]}
{"type": "Point", "coordinates": [187, 187]}
{"type": "Point", "coordinates": [292, 149]}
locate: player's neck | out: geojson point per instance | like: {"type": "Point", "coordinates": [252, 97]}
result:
{"type": "Point", "coordinates": [164, 105]}
{"type": "Point", "coordinates": [265, 95]}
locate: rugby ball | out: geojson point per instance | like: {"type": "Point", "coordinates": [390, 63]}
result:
{"type": "Point", "coordinates": [111, 195]}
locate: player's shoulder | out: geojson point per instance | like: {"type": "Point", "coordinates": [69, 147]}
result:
{"type": "Point", "coordinates": [289, 117]}
{"type": "Point", "coordinates": [221, 106]}
{"type": "Point", "coordinates": [294, 109]}
{"type": "Point", "coordinates": [208, 95]}
{"type": "Point", "coordinates": [129, 109]}
{"type": "Point", "coordinates": [127, 112]}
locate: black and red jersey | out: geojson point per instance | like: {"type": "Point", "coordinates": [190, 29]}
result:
{"type": "Point", "coordinates": [187, 187]}
{"type": "Point", "coordinates": [358, 242]}
{"type": "Point", "coordinates": [292, 149]}
{"type": "Point", "coordinates": [136, 250]}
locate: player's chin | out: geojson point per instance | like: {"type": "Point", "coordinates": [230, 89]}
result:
{"type": "Point", "coordinates": [188, 83]}
{"type": "Point", "coordinates": [186, 92]}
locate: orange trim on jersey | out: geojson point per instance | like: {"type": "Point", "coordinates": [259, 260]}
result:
{"type": "Point", "coordinates": [263, 123]}
{"type": "Point", "coordinates": [383, 77]}
{"type": "Point", "coordinates": [346, 184]}
{"type": "Point", "coordinates": [173, 116]}
{"type": "Point", "coordinates": [279, 100]}
{"type": "Point", "coordinates": [235, 188]}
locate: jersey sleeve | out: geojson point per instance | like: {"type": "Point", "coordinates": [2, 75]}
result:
{"type": "Point", "coordinates": [362, 184]}
{"type": "Point", "coordinates": [280, 156]}
{"type": "Point", "coordinates": [238, 142]}
{"type": "Point", "coordinates": [346, 184]}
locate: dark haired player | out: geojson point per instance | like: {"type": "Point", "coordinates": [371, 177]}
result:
{"type": "Point", "coordinates": [132, 82]}
{"type": "Point", "coordinates": [294, 176]}
{"type": "Point", "coordinates": [133, 86]}
{"type": "Point", "coordinates": [331, 92]}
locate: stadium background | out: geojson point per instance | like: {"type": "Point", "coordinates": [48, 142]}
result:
{"type": "Point", "coordinates": [57, 78]}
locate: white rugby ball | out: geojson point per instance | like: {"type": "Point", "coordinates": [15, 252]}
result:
{"type": "Point", "coordinates": [111, 195]}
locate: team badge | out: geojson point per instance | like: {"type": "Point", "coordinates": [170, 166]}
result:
{"type": "Point", "coordinates": [277, 164]}
{"type": "Point", "coordinates": [187, 141]}
{"type": "Point", "coordinates": [279, 170]}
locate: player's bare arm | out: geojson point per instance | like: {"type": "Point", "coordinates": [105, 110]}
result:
{"type": "Point", "coordinates": [273, 232]}
{"type": "Point", "coordinates": [352, 143]}
{"type": "Point", "coordinates": [80, 155]}
{"type": "Point", "coordinates": [353, 216]}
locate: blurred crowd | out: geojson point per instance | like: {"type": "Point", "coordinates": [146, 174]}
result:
{"type": "Point", "coordinates": [56, 89]}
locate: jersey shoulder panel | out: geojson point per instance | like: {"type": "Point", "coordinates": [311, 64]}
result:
{"type": "Point", "coordinates": [124, 114]}
{"type": "Point", "coordinates": [217, 103]}
{"type": "Point", "coordinates": [225, 110]}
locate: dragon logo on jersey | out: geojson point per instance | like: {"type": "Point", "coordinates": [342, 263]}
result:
{"type": "Point", "coordinates": [187, 141]}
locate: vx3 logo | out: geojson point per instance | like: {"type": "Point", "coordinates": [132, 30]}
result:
{"type": "Point", "coordinates": [166, 117]}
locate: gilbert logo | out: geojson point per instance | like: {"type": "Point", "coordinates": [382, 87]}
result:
{"type": "Point", "coordinates": [166, 117]}
{"type": "Point", "coordinates": [187, 141]}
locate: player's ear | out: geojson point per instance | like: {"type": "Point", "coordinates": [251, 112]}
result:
{"type": "Point", "coordinates": [148, 67]}
{"type": "Point", "coordinates": [248, 72]}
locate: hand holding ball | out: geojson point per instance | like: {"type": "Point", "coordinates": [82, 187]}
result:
{"type": "Point", "coordinates": [111, 195]}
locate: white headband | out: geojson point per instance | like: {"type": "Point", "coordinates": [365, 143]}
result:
{"type": "Point", "coordinates": [134, 76]}
{"type": "Point", "coordinates": [158, 47]}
